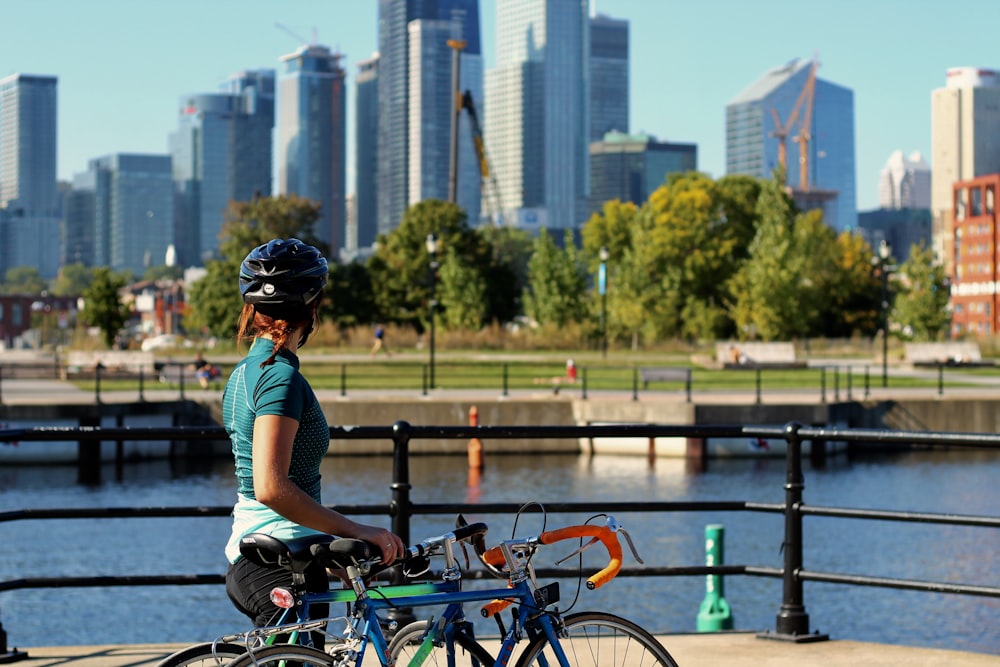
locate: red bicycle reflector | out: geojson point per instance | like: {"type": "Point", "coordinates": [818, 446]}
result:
{"type": "Point", "coordinates": [282, 598]}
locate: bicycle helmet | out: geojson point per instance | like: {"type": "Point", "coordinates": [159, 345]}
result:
{"type": "Point", "coordinates": [283, 276]}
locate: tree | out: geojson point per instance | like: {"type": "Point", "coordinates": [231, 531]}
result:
{"type": "Point", "coordinates": [557, 282]}
{"type": "Point", "coordinates": [102, 306]}
{"type": "Point", "coordinates": [855, 290]}
{"type": "Point", "coordinates": [215, 298]}
{"type": "Point", "coordinates": [72, 280]}
{"type": "Point", "coordinates": [400, 267]}
{"type": "Point", "coordinates": [921, 303]}
{"type": "Point", "coordinates": [462, 294]}
{"type": "Point", "coordinates": [24, 280]}
{"type": "Point", "coordinates": [163, 272]}
{"type": "Point", "coordinates": [506, 274]}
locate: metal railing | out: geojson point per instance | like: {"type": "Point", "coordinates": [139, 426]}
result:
{"type": "Point", "coordinates": [792, 620]}
{"type": "Point", "coordinates": [829, 382]}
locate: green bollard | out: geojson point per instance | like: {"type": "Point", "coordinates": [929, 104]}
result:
{"type": "Point", "coordinates": [714, 614]}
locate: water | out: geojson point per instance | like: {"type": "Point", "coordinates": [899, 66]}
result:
{"type": "Point", "coordinates": [942, 482]}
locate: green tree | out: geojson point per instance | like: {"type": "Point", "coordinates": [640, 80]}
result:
{"type": "Point", "coordinates": [506, 273]}
{"type": "Point", "coordinates": [610, 228]}
{"type": "Point", "coordinates": [102, 305]}
{"type": "Point", "coordinates": [557, 282]}
{"type": "Point", "coordinates": [163, 272]}
{"type": "Point", "coordinates": [462, 294]}
{"type": "Point", "coordinates": [72, 280]}
{"type": "Point", "coordinates": [400, 267]}
{"type": "Point", "coordinates": [215, 299]}
{"type": "Point", "coordinates": [24, 280]}
{"type": "Point", "coordinates": [351, 297]}
{"type": "Point", "coordinates": [855, 292]}
{"type": "Point", "coordinates": [920, 306]}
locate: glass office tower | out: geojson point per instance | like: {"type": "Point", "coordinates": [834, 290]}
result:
{"type": "Point", "coordinates": [366, 152]}
{"type": "Point", "coordinates": [609, 80]}
{"type": "Point", "coordinates": [28, 173]}
{"type": "Point", "coordinates": [312, 135]}
{"type": "Point", "coordinates": [752, 144]}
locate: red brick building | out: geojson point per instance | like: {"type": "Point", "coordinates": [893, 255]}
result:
{"type": "Point", "coordinates": [976, 283]}
{"type": "Point", "coordinates": [16, 313]}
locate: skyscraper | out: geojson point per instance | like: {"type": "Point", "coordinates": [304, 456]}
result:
{"type": "Point", "coordinates": [394, 129]}
{"type": "Point", "coordinates": [609, 77]}
{"type": "Point", "coordinates": [630, 167]}
{"type": "Point", "coordinates": [366, 151]}
{"type": "Point", "coordinates": [905, 182]}
{"type": "Point", "coordinates": [133, 210]}
{"type": "Point", "coordinates": [312, 135]}
{"type": "Point", "coordinates": [965, 144]}
{"type": "Point", "coordinates": [757, 129]}
{"type": "Point", "coordinates": [28, 173]}
{"type": "Point", "coordinates": [538, 112]}
{"type": "Point", "coordinates": [221, 152]}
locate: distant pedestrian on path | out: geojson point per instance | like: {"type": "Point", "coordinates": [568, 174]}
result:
{"type": "Point", "coordinates": [379, 343]}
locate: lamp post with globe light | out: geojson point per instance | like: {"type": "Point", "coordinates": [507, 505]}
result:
{"type": "Point", "coordinates": [602, 288]}
{"type": "Point", "coordinates": [432, 250]}
{"type": "Point", "coordinates": [884, 253]}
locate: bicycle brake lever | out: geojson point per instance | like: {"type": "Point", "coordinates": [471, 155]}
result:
{"type": "Point", "coordinates": [465, 555]}
{"type": "Point", "coordinates": [578, 551]}
{"type": "Point", "coordinates": [615, 526]}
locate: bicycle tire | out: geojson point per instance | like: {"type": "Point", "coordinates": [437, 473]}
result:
{"type": "Point", "coordinates": [206, 654]}
{"type": "Point", "coordinates": [284, 654]}
{"type": "Point", "coordinates": [405, 642]}
{"type": "Point", "coordinates": [598, 639]}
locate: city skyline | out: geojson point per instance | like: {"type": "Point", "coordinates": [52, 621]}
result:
{"type": "Point", "coordinates": [120, 78]}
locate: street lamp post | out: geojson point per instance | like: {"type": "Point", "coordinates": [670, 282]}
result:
{"type": "Point", "coordinates": [884, 253]}
{"type": "Point", "coordinates": [432, 249]}
{"type": "Point", "coordinates": [602, 287]}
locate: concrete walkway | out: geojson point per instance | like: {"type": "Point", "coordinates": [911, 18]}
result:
{"type": "Point", "coordinates": [732, 649]}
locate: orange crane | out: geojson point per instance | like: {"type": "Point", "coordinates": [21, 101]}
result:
{"type": "Point", "coordinates": [489, 180]}
{"type": "Point", "coordinates": [806, 96]}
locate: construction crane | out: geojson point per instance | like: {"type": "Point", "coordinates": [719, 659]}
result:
{"type": "Point", "coordinates": [806, 96]}
{"type": "Point", "coordinates": [488, 178]}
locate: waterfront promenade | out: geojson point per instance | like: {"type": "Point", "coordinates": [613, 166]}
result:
{"type": "Point", "coordinates": [732, 649]}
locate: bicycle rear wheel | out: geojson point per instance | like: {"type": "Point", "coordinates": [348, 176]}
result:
{"type": "Point", "coordinates": [597, 639]}
{"type": "Point", "coordinates": [282, 655]}
{"type": "Point", "coordinates": [207, 654]}
{"type": "Point", "coordinates": [406, 643]}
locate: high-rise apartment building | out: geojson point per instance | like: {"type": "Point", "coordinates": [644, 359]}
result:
{"type": "Point", "coordinates": [366, 152]}
{"type": "Point", "coordinates": [133, 210]}
{"type": "Point", "coordinates": [630, 167]}
{"type": "Point", "coordinates": [394, 96]}
{"type": "Point", "coordinates": [757, 118]}
{"type": "Point", "coordinates": [965, 144]}
{"type": "Point", "coordinates": [312, 135]}
{"type": "Point", "coordinates": [28, 173]}
{"type": "Point", "coordinates": [221, 152]}
{"type": "Point", "coordinates": [538, 112]}
{"type": "Point", "coordinates": [432, 105]}
{"type": "Point", "coordinates": [905, 182]}
{"type": "Point", "coordinates": [609, 76]}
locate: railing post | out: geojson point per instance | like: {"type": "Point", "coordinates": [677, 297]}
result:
{"type": "Point", "coordinates": [97, 381]}
{"type": "Point", "coordinates": [1, 385]}
{"type": "Point", "coordinates": [423, 380]}
{"type": "Point", "coordinates": [6, 655]}
{"type": "Point", "coordinates": [848, 371]}
{"type": "Point", "coordinates": [822, 384]}
{"type": "Point", "coordinates": [757, 378]}
{"type": "Point", "coordinates": [792, 621]}
{"type": "Point", "coordinates": [343, 379]}
{"type": "Point", "coordinates": [505, 387]}
{"type": "Point", "coordinates": [687, 386]}
{"type": "Point", "coordinates": [142, 397]}
{"type": "Point", "coordinates": [181, 367]}
{"type": "Point", "coordinates": [940, 379]}
{"type": "Point", "coordinates": [583, 379]}
{"type": "Point", "coordinates": [635, 384]}
{"type": "Point", "coordinates": [868, 390]}
{"type": "Point", "coordinates": [400, 509]}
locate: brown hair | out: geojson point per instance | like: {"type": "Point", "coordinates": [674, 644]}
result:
{"type": "Point", "coordinates": [253, 323]}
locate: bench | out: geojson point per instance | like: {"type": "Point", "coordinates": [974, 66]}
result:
{"type": "Point", "coordinates": [173, 374]}
{"type": "Point", "coordinates": [82, 364]}
{"type": "Point", "coordinates": [664, 374]}
{"type": "Point", "coordinates": [754, 354]}
{"type": "Point", "coordinates": [945, 353]}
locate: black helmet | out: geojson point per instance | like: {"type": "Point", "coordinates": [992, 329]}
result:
{"type": "Point", "coordinates": [286, 273]}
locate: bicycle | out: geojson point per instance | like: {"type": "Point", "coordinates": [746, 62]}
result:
{"type": "Point", "coordinates": [587, 639]}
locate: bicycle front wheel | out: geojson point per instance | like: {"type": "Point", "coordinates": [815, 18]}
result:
{"type": "Point", "coordinates": [407, 641]}
{"type": "Point", "coordinates": [207, 654]}
{"type": "Point", "coordinates": [281, 655]}
{"type": "Point", "coordinates": [596, 639]}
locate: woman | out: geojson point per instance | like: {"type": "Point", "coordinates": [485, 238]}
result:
{"type": "Point", "coordinates": [276, 425]}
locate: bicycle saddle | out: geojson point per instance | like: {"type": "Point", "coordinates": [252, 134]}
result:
{"type": "Point", "coordinates": [298, 553]}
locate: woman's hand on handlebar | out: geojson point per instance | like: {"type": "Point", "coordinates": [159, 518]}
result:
{"type": "Point", "coordinates": [390, 544]}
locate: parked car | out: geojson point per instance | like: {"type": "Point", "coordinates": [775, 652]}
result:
{"type": "Point", "coordinates": [165, 341]}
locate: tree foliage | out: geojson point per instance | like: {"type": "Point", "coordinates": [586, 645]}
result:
{"type": "Point", "coordinates": [24, 280]}
{"type": "Point", "coordinates": [72, 280]}
{"type": "Point", "coordinates": [103, 307]}
{"type": "Point", "coordinates": [921, 304]}
{"type": "Point", "coordinates": [557, 282]}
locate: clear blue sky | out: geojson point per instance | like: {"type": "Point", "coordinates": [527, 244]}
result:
{"type": "Point", "coordinates": [123, 64]}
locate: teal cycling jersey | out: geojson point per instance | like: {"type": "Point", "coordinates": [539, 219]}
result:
{"type": "Point", "coordinates": [275, 389]}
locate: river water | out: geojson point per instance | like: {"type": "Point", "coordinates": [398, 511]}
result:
{"type": "Point", "coordinates": [963, 482]}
